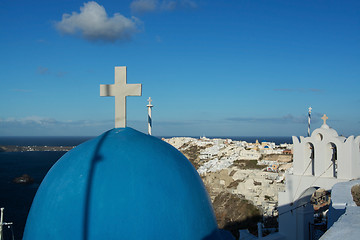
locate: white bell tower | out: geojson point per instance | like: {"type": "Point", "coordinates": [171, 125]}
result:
{"type": "Point", "coordinates": [320, 161]}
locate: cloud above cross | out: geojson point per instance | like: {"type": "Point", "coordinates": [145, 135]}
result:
{"type": "Point", "coordinates": [93, 23]}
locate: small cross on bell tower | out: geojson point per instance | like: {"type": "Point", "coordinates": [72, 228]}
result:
{"type": "Point", "coordinates": [324, 118]}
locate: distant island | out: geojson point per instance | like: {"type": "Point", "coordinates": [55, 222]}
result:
{"type": "Point", "coordinates": [35, 148]}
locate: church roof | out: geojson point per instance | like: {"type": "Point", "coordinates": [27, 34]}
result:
{"type": "Point", "coordinates": [122, 185]}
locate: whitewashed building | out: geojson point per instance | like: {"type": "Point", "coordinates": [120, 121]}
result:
{"type": "Point", "coordinates": [249, 155]}
{"type": "Point", "coordinates": [320, 161]}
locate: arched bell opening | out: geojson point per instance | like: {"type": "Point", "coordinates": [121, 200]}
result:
{"type": "Point", "coordinates": [319, 137]}
{"type": "Point", "coordinates": [333, 158]}
{"type": "Point", "coordinates": [310, 157]}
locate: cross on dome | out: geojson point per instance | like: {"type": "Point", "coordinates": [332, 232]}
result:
{"type": "Point", "coordinates": [310, 108]}
{"type": "Point", "coordinates": [324, 118]}
{"type": "Point", "coordinates": [120, 90]}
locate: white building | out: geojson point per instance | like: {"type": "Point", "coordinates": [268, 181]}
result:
{"type": "Point", "coordinates": [249, 155]}
{"type": "Point", "coordinates": [320, 161]}
{"type": "Point", "coordinates": [210, 152]}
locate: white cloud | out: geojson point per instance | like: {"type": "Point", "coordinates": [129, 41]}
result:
{"type": "Point", "coordinates": [42, 70]}
{"type": "Point", "coordinates": [45, 71]}
{"type": "Point", "coordinates": [280, 120]}
{"type": "Point", "coordinates": [31, 120]}
{"type": "Point", "coordinates": [93, 23]}
{"type": "Point", "coordinates": [46, 122]}
{"type": "Point", "coordinates": [42, 126]}
{"type": "Point", "coordinates": [168, 5]}
{"type": "Point", "coordinates": [289, 118]}
{"type": "Point", "coordinates": [297, 90]}
{"type": "Point", "coordinates": [158, 39]}
{"type": "Point", "coordinates": [144, 6]}
{"type": "Point", "coordinates": [188, 4]}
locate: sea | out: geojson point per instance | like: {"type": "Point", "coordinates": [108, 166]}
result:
{"type": "Point", "coordinates": [16, 199]}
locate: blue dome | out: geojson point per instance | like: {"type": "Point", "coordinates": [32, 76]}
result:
{"type": "Point", "coordinates": [122, 185]}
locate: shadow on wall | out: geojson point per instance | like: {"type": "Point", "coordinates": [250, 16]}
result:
{"type": "Point", "coordinates": [297, 221]}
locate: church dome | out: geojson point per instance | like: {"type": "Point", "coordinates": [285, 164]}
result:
{"type": "Point", "coordinates": [122, 185]}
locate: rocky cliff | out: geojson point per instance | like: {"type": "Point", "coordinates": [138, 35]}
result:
{"type": "Point", "coordinates": [242, 191]}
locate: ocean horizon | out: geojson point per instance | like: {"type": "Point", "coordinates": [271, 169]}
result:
{"type": "Point", "coordinates": [76, 140]}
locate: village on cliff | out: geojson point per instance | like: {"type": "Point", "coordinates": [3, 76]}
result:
{"type": "Point", "coordinates": [254, 171]}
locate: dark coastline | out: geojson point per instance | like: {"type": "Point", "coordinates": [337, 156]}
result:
{"type": "Point", "coordinates": [35, 148]}
{"type": "Point", "coordinates": [66, 147]}
{"type": "Point", "coordinates": [17, 198]}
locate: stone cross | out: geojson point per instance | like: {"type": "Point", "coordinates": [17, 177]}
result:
{"type": "Point", "coordinates": [120, 90]}
{"type": "Point", "coordinates": [324, 118]}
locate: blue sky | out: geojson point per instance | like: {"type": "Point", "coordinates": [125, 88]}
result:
{"type": "Point", "coordinates": [214, 68]}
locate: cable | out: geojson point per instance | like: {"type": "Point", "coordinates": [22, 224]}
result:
{"type": "Point", "coordinates": [297, 188]}
{"type": "Point", "coordinates": [321, 174]}
{"type": "Point", "coordinates": [313, 181]}
{"type": "Point", "coordinates": [294, 208]}
{"type": "Point", "coordinates": [310, 186]}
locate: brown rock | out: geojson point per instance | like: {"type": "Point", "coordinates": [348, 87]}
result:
{"type": "Point", "coordinates": [192, 153]}
{"type": "Point", "coordinates": [234, 213]}
{"type": "Point", "coordinates": [285, 158]}
{"type": "Point", "coordinates": [355, 192]}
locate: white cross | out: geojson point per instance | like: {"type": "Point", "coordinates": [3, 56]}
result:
{"type": "Point", "coordinates": [310, 108]}
{"type": "Point", "coordinates": [149, 100]}
{"type": "Point", "coordinates": [120, 90]}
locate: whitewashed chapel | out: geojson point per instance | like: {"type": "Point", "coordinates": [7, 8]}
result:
{"type": "Point", "coordinates": [320, 161]}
